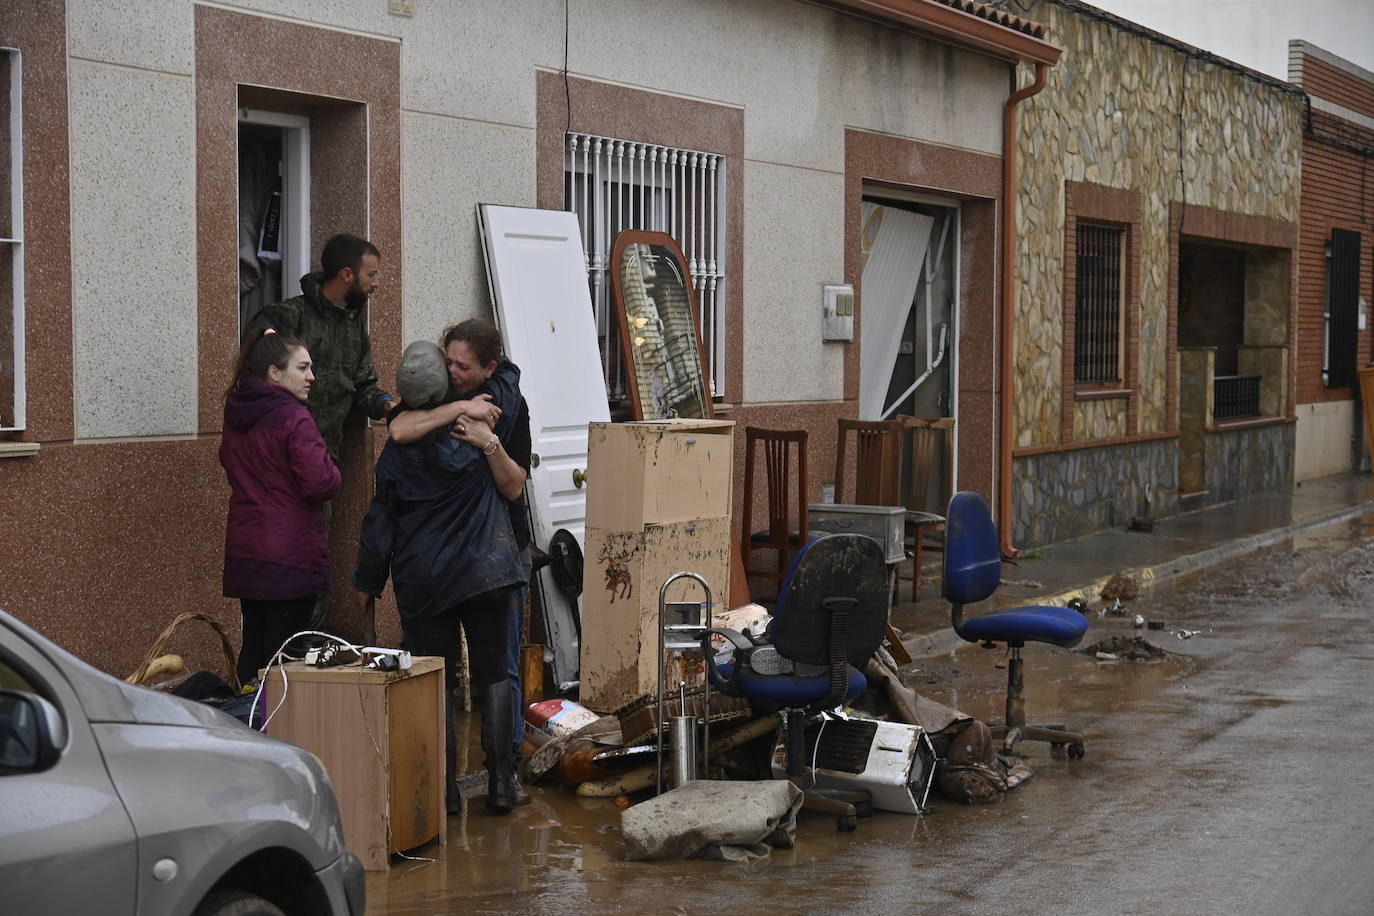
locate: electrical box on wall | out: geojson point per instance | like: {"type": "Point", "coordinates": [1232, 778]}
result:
{"type": "Point", "coordinates": [837, 317]}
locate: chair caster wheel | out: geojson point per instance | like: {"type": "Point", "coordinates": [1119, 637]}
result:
{"type": "Point", "coordinates": [846, 824]}
{"type": "Point", "coordinates": [1076, 751]}
{"type": "Point", "coordinates": [864, 809]}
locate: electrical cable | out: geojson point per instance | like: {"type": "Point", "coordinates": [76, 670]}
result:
{"type": "Point", "coordinates": [1182, 169]}
{"type": "Point", "coordinates": [815, 751]}
{"type": "Point", "coordinates": [567, 91]}
{"type": "Point", "coordinates": [280, 658]}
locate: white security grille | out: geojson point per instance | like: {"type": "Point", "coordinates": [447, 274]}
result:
{"type": "Point", "coordinates": [613, 185]}
{"type": "Point", "coordinates": [12, 382]}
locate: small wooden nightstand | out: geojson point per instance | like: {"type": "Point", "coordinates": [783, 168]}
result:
{"type": "Point", "coordinates": [380, 735]}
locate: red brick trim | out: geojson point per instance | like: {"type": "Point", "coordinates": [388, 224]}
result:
{"type": "Point", "coordinates": [642, 116]}
{"type": "Point", "coordinates": [360, 192]}
{"type": "Point", "coordinates": [39, 30]}
{"type": "Point", "coordinates": [1117, 207]}
{"type": "Point", "coordinates": [976, 180]}
{"type": "Point", "coordinates": [1336, 194]}
{"type": "Point", "coordinates": [1336, 85]}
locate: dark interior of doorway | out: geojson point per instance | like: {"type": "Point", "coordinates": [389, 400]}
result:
{"type": "Point", "coordinates": [260, 218]}
{"type": "Point", "coordinates": [1211, 301]}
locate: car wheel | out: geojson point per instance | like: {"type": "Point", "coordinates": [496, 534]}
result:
{"type": "Point", "coordinates": [236, 903]}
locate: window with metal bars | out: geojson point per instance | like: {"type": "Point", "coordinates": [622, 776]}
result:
{"type": "Point", "coordinates": [12, 382]}
{"type": "Point", "coordinates": [1098, 306]}
{"type": "Point", "coordinates": [613, 185]}
{"type": "Point", "coordinates": [1235, 396]}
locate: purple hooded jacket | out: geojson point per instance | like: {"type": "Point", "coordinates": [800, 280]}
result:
{"type": "Point", "coordinates": [281, 476]}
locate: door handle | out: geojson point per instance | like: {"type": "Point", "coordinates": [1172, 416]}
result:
{"type": "Point", "coordinates": [579, 477]}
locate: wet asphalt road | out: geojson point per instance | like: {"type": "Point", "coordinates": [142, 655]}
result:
{"type": "Point", "coordinates": [1235, 776]}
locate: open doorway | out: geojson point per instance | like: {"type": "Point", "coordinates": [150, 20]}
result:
{"type": "Point", "coordinates": [909, 290]}
{"type": "Point", "coordinates": [274, 207]}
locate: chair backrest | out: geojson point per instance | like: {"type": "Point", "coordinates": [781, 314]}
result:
{"type": "Point", "coordinates": [929, 443]}
{"type": "Point", "coordinates": [877, 462]}
{"type": "Point", "coordinates": [777, 463]}
{"type": "Point", "coordinates": [832, 566]}
{"type": "Point", "coordinates": [973, 555]}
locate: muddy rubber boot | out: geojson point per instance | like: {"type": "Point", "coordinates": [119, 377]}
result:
{"type": "Point", "coordinates": [497, 729]}
{"type": "Point", "coordinates": [519, 794]}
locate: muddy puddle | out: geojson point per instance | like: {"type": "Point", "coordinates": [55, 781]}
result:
{"type": "Point", "coordinates": [1142, 720]}
{"type": "Point", "coordinates": [565, 854]}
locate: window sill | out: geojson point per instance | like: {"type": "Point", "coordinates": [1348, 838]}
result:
{"type": "Point", "coordinates": [1247, 423]}
{"type": "Point", "coordinates": [18, 449]}
{"type": "Point", "coordinates": [1101, 394]}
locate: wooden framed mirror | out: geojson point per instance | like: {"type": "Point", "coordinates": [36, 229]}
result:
{"type": "Point", "coordinates": [664, 358]}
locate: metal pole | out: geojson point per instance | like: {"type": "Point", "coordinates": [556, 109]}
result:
{"type": "Point", "coordinates": [706, 681]}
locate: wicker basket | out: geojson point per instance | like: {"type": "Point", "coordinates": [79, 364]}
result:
{"type": "Point", "coordinates": [159, 647]}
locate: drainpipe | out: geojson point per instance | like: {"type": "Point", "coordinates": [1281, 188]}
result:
{"type": "Point", "coordinates": [1006, 311]}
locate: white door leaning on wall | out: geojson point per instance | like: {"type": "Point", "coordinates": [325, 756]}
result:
{"type": "Point", "coordinates": [539, 290]}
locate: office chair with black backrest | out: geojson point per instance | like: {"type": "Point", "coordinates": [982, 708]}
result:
{"type": "Point", "coordinates": [830, 618]}
{"type": "Point", "coordinates": [973, 570]}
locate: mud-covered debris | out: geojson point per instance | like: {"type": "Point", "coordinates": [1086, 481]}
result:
{"type": "Point", "coordinates": [1121, 587]}
{"type": "Point", "coordinates": [1130, 648]}
{"type": "Point", "coordinates": [1115, 609]}
{"type": "Point", "coordinates": [1079, 605]}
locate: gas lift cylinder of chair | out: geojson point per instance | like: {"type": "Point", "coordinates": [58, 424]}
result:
{"type": "Point", "coordinates": [972, 573]}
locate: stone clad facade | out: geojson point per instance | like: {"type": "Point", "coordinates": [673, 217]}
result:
{"type": "Point", "coordinates": [1140, 133]}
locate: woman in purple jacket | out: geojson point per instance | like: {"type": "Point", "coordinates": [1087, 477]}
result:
{"type": "Point", "coordinates": [276, 559]}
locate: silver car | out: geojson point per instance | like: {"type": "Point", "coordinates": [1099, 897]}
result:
{"type": "Point", "coordinates": [121, 800]}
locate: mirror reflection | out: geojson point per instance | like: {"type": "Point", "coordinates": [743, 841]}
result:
{"type": "Point", "coordinates": [658, 326]}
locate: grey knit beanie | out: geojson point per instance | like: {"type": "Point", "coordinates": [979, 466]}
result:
{"type": "Point", "coordinates": [422, 378]}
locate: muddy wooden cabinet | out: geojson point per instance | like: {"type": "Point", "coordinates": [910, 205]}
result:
{"type": "Point", "coordinates": [380, 736]}
{"type": "Point", "coordinates": [658, 502]}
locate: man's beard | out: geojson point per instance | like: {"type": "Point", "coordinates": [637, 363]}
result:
{"type": "Point", "coordinates": [355, 298]}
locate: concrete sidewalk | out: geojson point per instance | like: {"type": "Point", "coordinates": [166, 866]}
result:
{"type": "Point", "coordinates": [1177, 546]}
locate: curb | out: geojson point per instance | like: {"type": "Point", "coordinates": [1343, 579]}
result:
{"type": "Point", "coordinates": [940, 642]}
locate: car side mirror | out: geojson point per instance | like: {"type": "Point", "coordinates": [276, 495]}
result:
{"type": "Point", "coordinates": [32, 733]}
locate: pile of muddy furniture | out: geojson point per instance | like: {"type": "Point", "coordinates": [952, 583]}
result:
{"type": "Point", "coordinates": [830, 618]}
{"type": "Point", "coordinates": [687, 707]}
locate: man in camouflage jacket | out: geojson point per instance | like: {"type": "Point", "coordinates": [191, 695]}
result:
{"type": "Point", "coordinates": [330, 318]}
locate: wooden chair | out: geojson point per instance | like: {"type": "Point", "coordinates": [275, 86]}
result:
{"type": "Point", "coordinates": [926, 441]}
{"type": "Point", "coordinates": [780, 535]}
{"type": "Point", "coordinates": [877, 462]}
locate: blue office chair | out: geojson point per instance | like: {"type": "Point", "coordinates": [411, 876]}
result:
{"type": "Point", "coordinates": [973, 570]}
{"type": "Point", "coordinates": [830, 618]}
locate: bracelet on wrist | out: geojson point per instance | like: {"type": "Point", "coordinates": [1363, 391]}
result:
{"type": "Point", "coordinates": [491, 447]}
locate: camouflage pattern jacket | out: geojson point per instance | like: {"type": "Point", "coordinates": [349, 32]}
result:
{"type": "Point", "coordinates": [339, 346]}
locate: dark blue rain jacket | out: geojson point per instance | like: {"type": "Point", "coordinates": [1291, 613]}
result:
{"type": "Point", "coordinates": [437, 522]}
